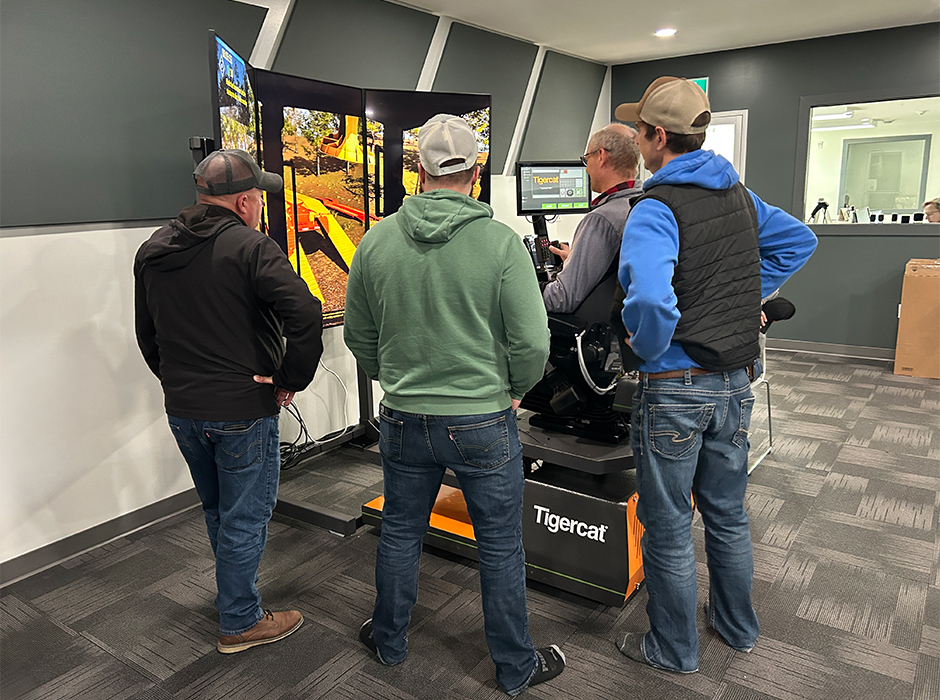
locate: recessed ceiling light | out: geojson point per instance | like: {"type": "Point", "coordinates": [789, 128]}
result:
{"type": "Point", "coordinates": [847, 114]}
{"type": "Point", "coordinates": [843, 128]}
{"type": "Point", "coordinates": [665, 32]}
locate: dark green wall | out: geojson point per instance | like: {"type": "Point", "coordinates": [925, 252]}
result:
{"type": "Point", "coordinates": [768, 81]}
{"type": "Point", "coordinates": [848, 293]}
{"type": "Point", "coordinates": [362, 43]}
{"type": "Point", "coordinates": [476, 61]}
{"type": "Point", "coordinates": [99, 99]}
{"type": "Point", "coordinates": [564, 106]}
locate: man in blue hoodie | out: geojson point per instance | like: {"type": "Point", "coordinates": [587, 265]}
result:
{"type": "Point", "coordinates": [699, 252]}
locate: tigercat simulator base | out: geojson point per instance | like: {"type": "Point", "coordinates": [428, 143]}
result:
{"type": "Point", "coordinates": [579, 526]}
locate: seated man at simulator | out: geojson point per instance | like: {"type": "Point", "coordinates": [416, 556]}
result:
{"type": "Point", "coordinates": [573, 397]}
{"type": "Point", "coordinates": [611, 162]}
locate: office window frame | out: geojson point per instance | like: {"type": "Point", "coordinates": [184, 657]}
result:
{"type": "Point", "coordinates": [734, 117]}
{"type": "Point", "coordinates": [807, 103]}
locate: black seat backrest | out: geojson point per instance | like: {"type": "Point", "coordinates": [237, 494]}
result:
{"type": "Point", "coordinates": [596, 306]}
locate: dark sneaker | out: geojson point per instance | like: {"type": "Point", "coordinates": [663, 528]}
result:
{"type": "Point", "coordinates": [708, 621]}
{"type": "Point", "coordinates": [365, 636]}
{"type": "Point", "coordinates": [550, 662]}
{"type": "Point", "coordinates": [273, 627]}
{"type": "Point", "coordinates": [630, 645]}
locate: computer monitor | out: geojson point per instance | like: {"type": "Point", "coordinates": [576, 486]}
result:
{"type": "Point", "coordinates": [547, 188]}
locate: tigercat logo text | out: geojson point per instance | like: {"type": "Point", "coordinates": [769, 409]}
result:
{"type": "Point", "coordinates": [554, 522]}
{"type": "Point", "coordinates": [545, 180]}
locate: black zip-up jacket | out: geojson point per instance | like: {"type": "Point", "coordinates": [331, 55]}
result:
{"type": "Point", "coordinates": [214, 302]}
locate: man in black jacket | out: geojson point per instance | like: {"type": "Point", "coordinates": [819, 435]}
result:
{"type": "Point", "coordinates": [214, 301]}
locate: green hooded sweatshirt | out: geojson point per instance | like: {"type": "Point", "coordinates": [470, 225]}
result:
{"type": "Point", "coordinates": [443, 308]}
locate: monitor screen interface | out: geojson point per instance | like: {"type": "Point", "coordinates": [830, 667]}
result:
{"type": "Point", "coordinates": [552, 188]}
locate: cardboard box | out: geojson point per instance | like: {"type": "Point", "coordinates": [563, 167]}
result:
{"type": "Point", "coordinates": [918, 349]}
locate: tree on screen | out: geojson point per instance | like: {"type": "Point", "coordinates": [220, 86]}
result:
{"type": "Point", "coordinates": [310, 125]}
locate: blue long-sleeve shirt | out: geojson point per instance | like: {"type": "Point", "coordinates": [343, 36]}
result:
{"type": "Point", "coordinates": [650, 251]}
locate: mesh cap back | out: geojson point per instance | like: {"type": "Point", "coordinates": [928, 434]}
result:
{"type": "Point", "coordinates": [446, 144]}
{"type": "Point", "coordinates": [233, 171]}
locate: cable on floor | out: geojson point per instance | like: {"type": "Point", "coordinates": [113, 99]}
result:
{"type": "Point", "coordinates": [303, 446]}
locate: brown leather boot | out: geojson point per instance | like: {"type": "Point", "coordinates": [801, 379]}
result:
{"type": "Point", "coordinates": [273, 627]}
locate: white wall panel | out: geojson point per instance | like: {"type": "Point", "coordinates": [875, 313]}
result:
{"type": "Point", "coordinates": [83, 433]}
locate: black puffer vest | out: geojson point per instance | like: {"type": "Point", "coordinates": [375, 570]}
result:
{"type": "Point", "coordinates": [717, 279]}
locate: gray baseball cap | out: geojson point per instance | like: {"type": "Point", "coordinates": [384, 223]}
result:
{"type": "Point", "coordinates": [233, 171]}
{"type": "Point", "coordinates": [445, 138]}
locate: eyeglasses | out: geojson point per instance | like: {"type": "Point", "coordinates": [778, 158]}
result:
{"type": "Point", "coordinates": [584, 158]}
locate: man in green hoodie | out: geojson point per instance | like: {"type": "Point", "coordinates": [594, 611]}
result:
{"type": "Point", "coordinates": [444, 310]}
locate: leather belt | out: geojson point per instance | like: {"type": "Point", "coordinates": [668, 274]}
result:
{"type": "Point", "coordinates": [673, 373]}
{"type": "Point", "coordinates": [694, 371]}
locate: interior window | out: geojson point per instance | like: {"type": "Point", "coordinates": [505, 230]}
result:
{"type": "Point", "coordinates": [872, 161]}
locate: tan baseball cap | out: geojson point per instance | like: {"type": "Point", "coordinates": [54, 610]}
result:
{"type": "Point", "coordinates": [675, 104]}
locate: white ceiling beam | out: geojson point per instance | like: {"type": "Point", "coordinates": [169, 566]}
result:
{"type": "Point", "coordinates": [515, 146]}
{"type": "Point", "coordinates": [272, 31]}
{"type": "Point", "coordinates": [435, 51]}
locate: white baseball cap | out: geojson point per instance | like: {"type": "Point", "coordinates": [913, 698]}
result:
{"type": "Point", "coordinates": [446, 144]}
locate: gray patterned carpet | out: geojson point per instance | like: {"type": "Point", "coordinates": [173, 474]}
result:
{"type": "Point", "coordinates": [844, 518]}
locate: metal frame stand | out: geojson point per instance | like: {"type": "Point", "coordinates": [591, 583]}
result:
{"type": "Point", "coordinates": [762, 379]}
{"type": "Point", "coordinates": [770, 426]}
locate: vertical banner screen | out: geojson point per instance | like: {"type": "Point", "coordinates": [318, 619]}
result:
{"type": "Point", "coordinates": [235, 100]}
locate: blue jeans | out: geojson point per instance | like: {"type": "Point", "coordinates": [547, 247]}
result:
{"type": "Point", "coordinates": [485, 454]}
{"type": "Point", "coordinates": [235, 466]}
{"type": "Point", "coordinates": [689, 436]}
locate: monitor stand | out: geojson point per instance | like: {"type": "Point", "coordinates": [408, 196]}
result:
{"type": "Point", "coordinates": [540, 225]}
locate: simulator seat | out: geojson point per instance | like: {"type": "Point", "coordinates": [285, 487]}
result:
{"type": "Point", "coordinates": [576, 395]}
